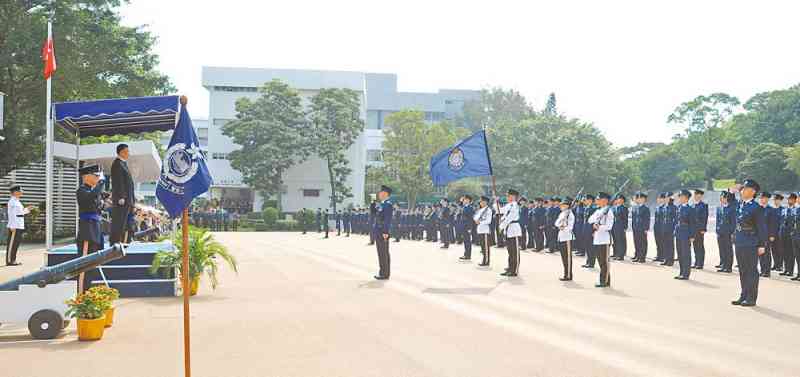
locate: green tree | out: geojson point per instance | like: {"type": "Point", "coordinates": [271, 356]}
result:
{"type": "Point", "coordinates": [97, 58]}
{"type": "Point", "coordinates": [767, 164]}
{"type": "Point", "coordinates": [701, 139]}
{"type": "Point", "coordinates": [408, 147]}
{"type": "Point", "coordinates": [661, 168]}
{"type": "Point", "coordinates": [272, 134]}
{"type": "Point", "coordinates": [335, 125]}
{"type": "Point", "coordinates": [772, 117]}
{"type": "Point", "coordinates": [468, 186]}
{"type": "Point", "coordinates": [495, 105]}
{"type": "Point", "coordinates": [550, 108]}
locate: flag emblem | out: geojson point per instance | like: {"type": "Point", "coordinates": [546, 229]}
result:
{"type": "Point", "coordinates": [455, 161]}
{"type": "Point", "coordinates": [182, 162]}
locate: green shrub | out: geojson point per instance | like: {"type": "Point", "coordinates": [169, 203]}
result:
{"type": "Point", "coordinates": [254, 216]}
{"type": "Point", "coordinates": [270, 216]}
{"type": "Point", "coordinates": [261, 228]}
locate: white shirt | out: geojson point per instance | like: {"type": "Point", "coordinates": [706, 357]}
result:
{"type": "Point", "coordinates": [510, 220]}
{"type": "Point", "coordinates": [15, 212]}
{"type": "Point", "coordinates": [483, 217]}
{"type": "Point", "coordinates": [604, 219]}
{"type": "Point", "coordinates": [564, 223]}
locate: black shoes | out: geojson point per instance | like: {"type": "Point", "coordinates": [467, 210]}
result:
{"type": "Point", "coordinates": [377, 277]}
{"type": "Point", "coordinates": [748, 303]}
{"type": "Point", "coordinates": [483, 264]}
{"type": "Point", "coordinates": [796, 278]}
{"type": "Point", "coordinates": [13, 264]}
{"type": "Point", "coordinates": [565, 279]}
{"type": "Point", "coordinates": [509, 274]}
{"type": "Point", "coordinates": [464, 258]}
{"type": "Point", "coordinates": [697, 267]}
{"type": "Point", "coordinates": [737, 302]}
{"type": "Point", "coordinates": [681, 278]}
{"type": "Point", "coordinates": [602, 285]}
{"type": "Point", "coordinates": [725, 270]}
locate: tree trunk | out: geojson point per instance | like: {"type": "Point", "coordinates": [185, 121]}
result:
{"type": "Point", "coordinates": [710, 184]}
{"type": "Point", "coordinates": [412, 200]}
{"type": "Point", "coordinates": [333, 186]}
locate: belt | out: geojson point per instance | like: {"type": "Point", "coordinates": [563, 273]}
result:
{"type": "Point", "coordinates": [747, 229]}
{"type": "Point", "coordinates": [89, 216]}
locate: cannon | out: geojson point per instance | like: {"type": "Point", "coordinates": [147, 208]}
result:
{"type": "Point", "coordinates": [144, 233]}
{"type": "Point", "coordinates": [39, 297]}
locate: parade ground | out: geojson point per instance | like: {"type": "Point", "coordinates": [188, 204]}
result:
{"type": "Point", "coordinates": [305, 306]}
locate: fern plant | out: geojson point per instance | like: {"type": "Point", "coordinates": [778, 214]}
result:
{"type": "Point", "coordinates": [204, 256]}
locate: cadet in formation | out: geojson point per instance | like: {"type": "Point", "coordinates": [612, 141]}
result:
{"type": "Point", "coordinates": [750, 242]}
{"type": "Point", "coordinates": [483, 219]}
{"type": "Point", "coordinates": [509, 224]}
{"type": "Point", "coordinates": [467, 215]}
{"type": "Point", "coordinates": [565, 224]}
{"type": "Point", "coordinates": [640, 225]}
{"type": "Point", "coordinates": [602, 221]}
{"type": "Point", "coordinates": [381, 229]}
{"type": "Point", "coordinates": [16, 224]}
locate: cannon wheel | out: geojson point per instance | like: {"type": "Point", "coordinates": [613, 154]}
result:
{"type": "Point", "coordinates": [45, 324]}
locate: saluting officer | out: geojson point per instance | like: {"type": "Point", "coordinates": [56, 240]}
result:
{"type": "Point", "coordinates": [565, 222]}
{"type": "Point", "coordinates": [509, 224]}
{"type": "Point", "coordinates": [640, 225]}
{"type": "Point", "coordinates": [701, 225]}
{"type": "Point", "coordinates": [90, 206]}
{"type": "Point", "coordinates": [684, 234]}
{"type": "Point", "coordinates": [467, 215]}
{"type": "Point", "coordinates": [381, 228]}
{"type": "Point", "coordinates": [726, 225]}
{"type": "Point", "coordinates": [750, 241]}
{"type": "Point", "coordinates": [483, 219]}
{"type": "Point", "coordinates": [602, 220]}
{"type": "Point", "coordinates": [16, 224]}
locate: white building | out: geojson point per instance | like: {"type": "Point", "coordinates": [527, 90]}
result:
{"type": "Point", "coordinates": [306, 185]}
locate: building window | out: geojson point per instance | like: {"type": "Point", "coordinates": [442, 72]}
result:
{"type": "Point", "coordinates": [221, 122]}
{"type": "Point", "coordinates": [382, 114]}
{"type": "Point", "coordinates": [374, 155]}
{"type": "Point", "coordinates": [311, 193]}
{"type": "Point", "coordinates": [202, 136]}
{"type": "Point", "coordinates": [247, 89]}
{"type": "Point", "coordinates": [219, 156]}
{"type": "Point", "coordinates": [373, 120]}
{"type": "Point", "coordinates": [433, 116]}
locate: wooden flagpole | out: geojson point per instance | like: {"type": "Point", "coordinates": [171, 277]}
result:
{"type": "Point", "coordinates": [187, 363]}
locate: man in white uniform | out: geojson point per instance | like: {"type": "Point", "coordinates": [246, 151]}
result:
{"type": "Point", "coordinates": [483, 220]}
{"type": "Point", "coordinates": [601, 221]}
{"type": "Point", "coordinates": [16, 224]}
{"type": "Point", "coordinates": [509, 224]}
{"type": "Point", "coordinates": [565, 223]}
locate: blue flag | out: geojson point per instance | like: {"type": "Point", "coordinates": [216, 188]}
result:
{"type": "Point", "coordinates": [184, 173]}
{"type": "Point", "coordinates": [468, 158]}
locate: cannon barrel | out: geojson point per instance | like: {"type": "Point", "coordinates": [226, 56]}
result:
{"type": "Point", "coordinates": [145, 233]}
{"type": "Point", "coordinates": [66, 270]}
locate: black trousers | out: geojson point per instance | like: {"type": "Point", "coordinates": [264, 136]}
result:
{"type": "Point", "coordinates": [640, 245]}
{"type": "Point", "coordinates": [659, 244]}
{"type": "Point", "coordinates": [523, 239]}
{"type": "Point", "coordinates": [591, 249]}
{"type": "Point", "coordinates": [699, 247]}
{"type": "Point", "coordinates": [766, 260]}
{"type": "Point", "coordinates": [620, 240]}
{"type": "Point", "coordinates": [684, 255]}
{"type": "Point", "coordinates": [445, 234]}
{"type": "Point", "coordinates": [467, 236]}
{"type": "Point", "coordinates": [384, 259]}
{"type": "Point", "coordinates": [725, 243]}
{"type": "Point", "coordinates": [538, 235]}
{"type": "Point", "coordinates": [668, 244]}
{"type": "Point", "coordinates": [486, 247]}
{"type": "Point", "coordinates": [792, 252]}
{"type": "Point", "coordinates": [531, 243]}
{"type": "Point", "coordinates": [14, 239]}
{"type": "Point", "coordinates": [601, 251]}
{"type": "Point", "coordinates": [119, 224]}
{"type": "Point", "coordinates": [747, 256]}
{"type": "Point", "coordinates": [512, 245]}
{"type": "Point", "coordinates": [91, 247]}
{"type": "Point", "coordinates": [566, 257]}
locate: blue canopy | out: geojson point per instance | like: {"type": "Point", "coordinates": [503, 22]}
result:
{"type": "Point", "coordinates": [117, 116]}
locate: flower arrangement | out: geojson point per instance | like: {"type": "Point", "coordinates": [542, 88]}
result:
{"type": "Point", "coordinates": [109, 293]}
{"type": "Point", "coordinates": [88, 305]}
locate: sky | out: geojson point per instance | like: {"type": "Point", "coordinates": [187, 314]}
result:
{"type": "Point", "coordinates": [622, 65]}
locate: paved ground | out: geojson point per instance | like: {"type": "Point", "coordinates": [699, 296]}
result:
{"type": "Point", "coordinates": [303, 306]}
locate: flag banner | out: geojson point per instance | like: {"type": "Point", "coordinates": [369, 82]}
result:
{"type": "Point", "coordinates": [184, 173]}
{"type": "Point", "coordinates": [49, 57]}
{"type": "Point", "coordinates": [468, 158]}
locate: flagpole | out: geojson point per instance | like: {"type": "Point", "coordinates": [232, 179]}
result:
{"type": "Point", "coordinates": [187, 364]}
{"type": "Point", "coordinates": [49, 222]}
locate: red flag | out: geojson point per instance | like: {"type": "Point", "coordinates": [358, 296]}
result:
{"type": "Point", "coordinates": [49, 57]}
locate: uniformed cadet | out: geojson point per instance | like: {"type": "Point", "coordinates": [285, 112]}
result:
{"type": "Point", "coordinates": [531, 243]}
{"type": "Point", "coordinates": [509, 224]}
{"type": "Point", "coordinates": [726, 225]}
{"type": "Point", "coordinates": [580, 222]}
{"type": "Point", "coordinates": [796, 237]}
{"type": "Point", "coordinates": [90, 206]}
{"type": "Point", "coordinates": [776, 245]}
{"type": "Point", "coordinates": [348, 222]}
{"type": "Point", "coordinates": [301, 216]}
{"type": "Point", "coordinates": [444, 223]}
{"type": "Point", "coordinates": [466, 219]}
{"type": "Point", "coordinates": [750, 241]}
{"type": "Point", "coordinates": [457, 221]}
{"type": "Point", "coordinates": [701, 223]}
{"type": "Point", "coordinates": [670, 212]}
{"type": "Point", "coordinates": [602, 220]}
{"type": "Point", "coordinates": [538, 224]}
{"type": "Point", "coordinates": [381, 228]}
{"type": "Point", "coordinates": [319, 220]}
{"type": "Point", "coordinates": [326, 224]}
{"type": "Point", "coordinates": [337, 217]}
{"type": "Point", "coordinates": [552, 232]}
{"type": "Point", "coordinates": [483, 219]}
{"type": "Point", "coordinates": [640, 225]}
{"type": "Point", "coordinates": [786, 235]}
{"type": "Point", "coordinates": [618, 232]}
{"type": "Point", "coordinates": [565, 223]}
{"type": "Point", "coordinates": [588, 230]}
{"type": "Point", "coordinates": [523, 223]}
{"type": "Point", "coordinates": [16, 224]}
{"type": "Point", "coordinates": [370, 225]}
{"type": "Point", "coordinates": [658, 224]}
{"type": "Point", "coordinates": [685, 230]}
{"type": "Point", "coordinates": [765, 260]}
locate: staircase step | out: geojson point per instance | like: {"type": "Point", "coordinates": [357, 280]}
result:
{"type": "Point", "coordinates": [142, 287]}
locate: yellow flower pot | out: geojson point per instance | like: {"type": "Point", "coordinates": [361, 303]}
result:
{"type": "Point", "coordinates": [195, 286]}
{"type": "Point", "coordinates": [109, 317]}
{"type": "Point", "coordinates": [91, 329]}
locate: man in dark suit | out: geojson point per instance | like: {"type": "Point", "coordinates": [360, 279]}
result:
{"type": "Point", "coordinates": [381, 230]}
{"type": "Point", "coordinates": [122, 196]}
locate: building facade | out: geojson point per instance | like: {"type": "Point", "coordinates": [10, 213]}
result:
{"type": "Point", "coordinates": [306, 185]}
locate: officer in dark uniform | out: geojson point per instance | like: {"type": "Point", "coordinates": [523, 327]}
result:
{"type": "Point", "coordinates": [444, 224]}
{"type": "Point", "coordinates": [670, 213]}
{"type": "Point", "coordinates": [640, 225]}
{"type": "Point", "coordinates": [538, 223]}
{"type": "Point", "coordinates": [618, 232]}
{"type": "Point", "coordinates": [552, 231]}
{"type": "Point", "coordinates": [726, 225]}
{"type": "Point", "coordinates": [750, 241]}
{"type": "Point", "coordinates": [684, 234]}
{"type": "Point", "coordinates": [325, 224]}
{"type": "Point", "coordinates": [523, 223]}
{"type": "Point", "coordinates": [90, 206]}
{"type": "Point", "coordinates": [397, 223]}
{"type": "Point", "coordinates": [122, 196]}
{"type": "Point", "coordinates": [776, 245]}
{"type": "Point", "coordinates": [370, 226]}
{"type": "Point", "coordinates": [786, 235]}
{"type": "Point", "coordinates": [795, 235]}
{"type": "Point", "coordinates": [701, 222]}
{"type": "Point", "coordinates": [381, 229]}
{"type": "Point", "coordinates": [580, 223]}
{"type": "Point", "coordinates": [658, 224]}
{"type": "Point", "coordinates": [467, 214]}
{"type": "Point", "coordinates": [319, 220]}
{"type": "Point", "coordinates": [771, 215]}
{"type": "Point", "coordinates": [348, 222]}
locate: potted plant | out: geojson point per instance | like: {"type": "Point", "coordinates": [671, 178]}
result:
{"type": "Point", "coordinates": [111, 295]}
{"type": "Point", "coordinates": [89, 309]}
{"type": "Point", "coordinates": [204, 254]}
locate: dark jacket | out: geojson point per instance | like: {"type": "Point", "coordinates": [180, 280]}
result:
{"type": "Point", "coordinates": [121, 183]}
